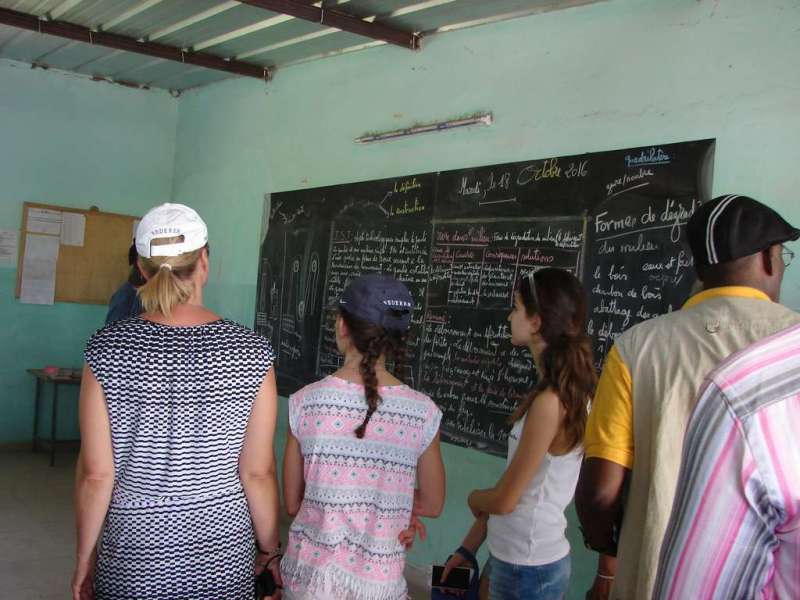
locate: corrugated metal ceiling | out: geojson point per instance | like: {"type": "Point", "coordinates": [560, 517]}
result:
{"type": "Point", "coordinates": [229, 29]}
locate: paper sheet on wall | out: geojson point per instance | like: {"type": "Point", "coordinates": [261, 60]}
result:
{"type": "Point", "coordinates": [39, 269]}
{"type": "Point", "coordinates": [43, 220]}
{"type": "Point", "coordinates": [73, 229]}
{"type": "Point", "coordinates": [9, 242]}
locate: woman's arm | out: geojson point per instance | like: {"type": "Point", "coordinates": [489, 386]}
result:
{"type": "Point", "coordinates": [476, 534]}
{"type": "Point", "coordinates": [257, 465]}
{"type": "Point", "coordinates": [294, 484]}
{"type": "Point", "coordinates": [429, 496]}
{"type": "Point", "coordinates": [94, 477]}
{"type": "Point", "coordinates": [472, 542]}
{"type": "Point", "coordinates": [541, 428]}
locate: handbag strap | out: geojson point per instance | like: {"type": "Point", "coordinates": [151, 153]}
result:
{"type": "Point", "coordinates": [468, 555]}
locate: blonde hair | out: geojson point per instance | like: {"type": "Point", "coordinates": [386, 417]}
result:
{"type": "Point", "coordinates": [168, 278]}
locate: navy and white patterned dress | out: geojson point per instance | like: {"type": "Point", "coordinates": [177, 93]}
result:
{"type": "Point", "coordinates": [179, 399]}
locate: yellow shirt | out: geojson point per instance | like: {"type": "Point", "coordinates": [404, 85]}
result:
{"type": "Point", "coordinates": [609, 431]}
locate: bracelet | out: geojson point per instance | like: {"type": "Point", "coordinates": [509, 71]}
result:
{"type": "Point", "coordinates": [271, 558]}
{"type": "Point", "coordinates": [275, 550]}
{"type": "Point", "coordinates": [606, 577]}
{"type": "Point", "coordinates": [466, 554]}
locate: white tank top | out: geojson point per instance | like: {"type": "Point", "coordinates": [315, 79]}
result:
{"type": "Point", "coordinates": [533, 534]}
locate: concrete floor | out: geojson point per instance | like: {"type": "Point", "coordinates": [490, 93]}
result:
{"type": "Point", "coordinates": [37, 540]}
{"type": "Point", "coordinates": [37, 547]}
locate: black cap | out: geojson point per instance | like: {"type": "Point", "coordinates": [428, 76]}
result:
{"type": "Point", "coordinates": [730, 227]}
{"type": "Point", "coordinates": [380, 300]}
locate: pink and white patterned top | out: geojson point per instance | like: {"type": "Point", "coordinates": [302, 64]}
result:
{"type": "Point", "coordinates": [358, 492]}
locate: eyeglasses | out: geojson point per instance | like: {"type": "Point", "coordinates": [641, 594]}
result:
{"type": "Point", "coordinates": [787, 255]}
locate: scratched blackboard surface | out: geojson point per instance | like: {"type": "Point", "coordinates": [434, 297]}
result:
{"type": "Point", "coordinates": [460, 239]}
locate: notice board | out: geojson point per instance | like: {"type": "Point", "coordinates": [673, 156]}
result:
{"type": "Point", "coordinates": [82, 253]}
{"type": "Point", "coordinates": [459, 239]}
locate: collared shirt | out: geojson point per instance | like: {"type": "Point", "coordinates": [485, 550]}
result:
{"type": "Point", "coordinates": [124, 304]}
{"type": "Point", "coordinates": [735, 525]}
{"type": "Point", "coordinates": [609, 431]}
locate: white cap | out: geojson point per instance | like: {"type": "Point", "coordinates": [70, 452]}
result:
{"type": "Point", "coordinates": [170, 220]}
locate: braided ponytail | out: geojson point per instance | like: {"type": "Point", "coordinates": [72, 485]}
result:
{"type": "Point", "coordinates": [367, 369]}
{"type": "Point", "coordinates": [373, 341]}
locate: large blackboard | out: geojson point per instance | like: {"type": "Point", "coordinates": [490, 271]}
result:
{"type": "Point", "coordinates": [459, 239]}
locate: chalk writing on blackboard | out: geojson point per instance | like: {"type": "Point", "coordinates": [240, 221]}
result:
{"type": "Point", "coordinates": [460, 240]}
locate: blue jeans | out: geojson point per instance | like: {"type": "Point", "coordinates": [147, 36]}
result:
{"type": "Point", "coordinates": [521, 582]}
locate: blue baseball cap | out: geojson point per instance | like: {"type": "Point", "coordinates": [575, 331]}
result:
{"type": "Point", "coordinates": [379, 299]}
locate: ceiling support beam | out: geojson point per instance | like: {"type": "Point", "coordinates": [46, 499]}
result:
{"type": "Point", "coordinates": [258, 26]}
{"type": "Point", "coordinates": [331, 17]}
{"type": "Point", "coordinates": [407, 10]}
{"type": "Point", "coordinates": [121, 42]}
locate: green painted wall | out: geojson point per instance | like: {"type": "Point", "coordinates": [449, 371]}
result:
{"type": "Point", "coordinates": [618, 74]}
{"type": "Point", "coordinates": [69, 141]}
{"type": "Point", "coordinates": [622, 73]}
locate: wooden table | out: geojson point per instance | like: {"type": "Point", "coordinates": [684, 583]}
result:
{"type": "Point", "coordinates": [43, 378]}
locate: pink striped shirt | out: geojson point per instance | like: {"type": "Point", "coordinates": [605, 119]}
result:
{"type": "Point", "coordinates": [735, 525]}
